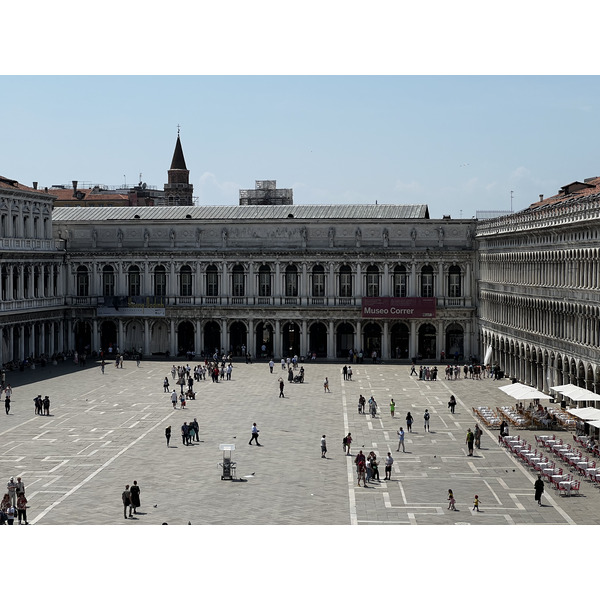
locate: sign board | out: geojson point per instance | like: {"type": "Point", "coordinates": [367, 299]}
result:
{"type": "Point", "coordinates": [398, 308]}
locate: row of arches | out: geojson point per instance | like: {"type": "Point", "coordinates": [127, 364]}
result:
{"type": "Point", "coordinates": [266, 337]}
{"type": "Point", "coordinates": [539, 366]}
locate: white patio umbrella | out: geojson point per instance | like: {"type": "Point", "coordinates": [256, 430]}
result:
{"type": "Point", "coordinates": [595, 424]}
{"type": "Point", "coordinates": [576, 393]}
{"type": "Point", "coordinates": [585, 414]}
{"type": "Point", "coordinates": [518, 391]}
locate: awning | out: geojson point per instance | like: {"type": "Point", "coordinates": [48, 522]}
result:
{"type": "Point", "coordinates": [595, 424]}
{"type": "Point", "coordinates": [586, 414]}
{"type": "Point", "coordinates": [488, 356]}
{"type": "Point", "coordinates": [576, 393]}
{"type": "Point", "coordinates": [518, 391]}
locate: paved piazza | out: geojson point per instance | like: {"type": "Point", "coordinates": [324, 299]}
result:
{"type": "Point", "coordinates": [107, 430]}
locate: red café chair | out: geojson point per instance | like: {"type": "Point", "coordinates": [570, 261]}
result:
{"type": "Point", "coordinates": [575, 487]}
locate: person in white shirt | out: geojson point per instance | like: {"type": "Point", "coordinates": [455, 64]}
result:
{"type": "Point", "coordinates": [401, 440]}
{"type": "Point", "coordinates": [271, 365]}
{"type": "Point", "coordinates": [11, 486]}
{"type": "Point", "coordinates": [254, 437]}
{"type": "Point", "coordinates": [389, 461]}
{"type": "Point", "coordinates": [323, 447]}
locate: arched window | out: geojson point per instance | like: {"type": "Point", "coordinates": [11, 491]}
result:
{"type": "Point", "coordinates": [134, 286]}
{"type": "Point", "coordinates": [212, 281]}
{"type": "Point", "coordinates": [238, 279]}
{"type": "Point", "coordinates": [108, 281]}
{"type": "Point", "coordinates": [454, 286]}
{"type": "Point", "coordinates": [427, 281]}
{"type": "Point", "coordinates": [345, 281]}
{"type": "Point", "coordinates": [400, 282]}
{"type": "Point", "coordinates": [372, 281]}
{"type": "Point", "coordinates": [291, 281]}
{"type": "Point", "coordinates": [160, 281]}
{"type": "Point", "coordinates": [185, 281]}
{"type": "Point", "coordinates": [82, 283]}
{"type": "Point", "coordinates": [264, 281]}
{"type": "Point", "coordinates": [318, 281]}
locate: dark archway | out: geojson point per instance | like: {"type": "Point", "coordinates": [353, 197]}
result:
{"type": "Point", "coordinates": [427, 345]}
{"type": "Point", "coordinates": [238, 335]}
{"type": "Point", "coordinates": [185, 338]}
{"type": "Point", "coordinates": [317, 340]}
{"type": "Point", "coordinates": [371, 339]}
{"type": "Point", "coordinates": [455, 340]}
{"type": "Point", "coordinates": [108, 338]}
{"type": "Point", "coordinates": [291, 339]}
{"type": "Point", "coordinates": [345, 340]}
{"type": "Point", "coordinates": [212, 338]}
{"type": "Point", "coordinates": [399, 339]}
{"type": "Point", "coordinates": [83, 337]}
{"type": "Point", "coordinates": [264, 340]}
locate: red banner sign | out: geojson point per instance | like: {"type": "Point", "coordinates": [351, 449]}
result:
{"type": "Point", "coordinates": [398, 308]}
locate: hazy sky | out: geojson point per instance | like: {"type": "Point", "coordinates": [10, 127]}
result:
{"type": "Point", "coordinates": [456, 143]}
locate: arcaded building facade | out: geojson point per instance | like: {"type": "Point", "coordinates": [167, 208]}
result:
{"type": "Point", "coordinates": [539, 302]}
{"type": "Point", "coordinates": [32, 301]}
{"type": "Point", "coordinates": [273, 280]}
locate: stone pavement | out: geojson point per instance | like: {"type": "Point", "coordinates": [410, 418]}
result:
{"type": "Point", "coordinates": [105, 430]}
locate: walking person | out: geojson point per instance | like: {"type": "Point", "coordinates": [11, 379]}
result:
{"type": "Point", "coordinates": [426, 417]}
{"type": "Point", "coordinates": [11, 486]}
{"type": "Point", "coordinates": [7, 403]}
{"type": "Point", "coordinates": [46, 405]}
{"type": "Point", "coordinates": [168, 435]}
{"type": "Point", "coordinates": [166, 384]}
{"type": "Point", "coordinates": [102, 365]}
{"type": "Point", "coordinates": [255, 431]}
{"type": "Point", "coordinates": [8, 394]}
{"type": "Point", "coordinates": [326, 385]}
{"type": "Point", "coordinates": [174, 398]}
{"type": "Point", "coordinates": [401, 440]}
{"type": "Point", "coordinates": [22, 508]}
{"type": "Point", "coordinates": [451, 500]}
{"type": "Point", "coordinates": [452, 404]}
{"type": "Point", "coordinates": [539, 489]}
{"type": "Point", "coordinates": [323, 447]}
{"type": "Point", "coordinates": [392, 407]}
{"type": "Point", "coordinates": [409, 421]}
{"type": "Point", "coordinates": [389, 461]}
{"type": "Point", "coordinates": [272, 364]}
{"type": "Point", "coordinates": [360, 462]}
{"type": "Point", "coordinates": [346, 443]}
{"type": "Point", "coordinates": [476, 503]}
{"type": "Point", "coordinates": [345, 372]}
{"type": "Point", "coordinates": [281, 386]}
{"type": "Point", "coordinates": [477, 434]}
{"type": "Point", "coordinates": [135, 496]}
{"type": "Point", "coordinates": [126, 497]}
{"type": "Point", "coordinates": [470, 439]}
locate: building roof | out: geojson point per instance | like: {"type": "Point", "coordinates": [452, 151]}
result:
{"type": "Point", "coordinates": [352, 212]}
{"type": "Point", "coordinates": [571, 192]}
{"type": "Point", "coordinates": [178, 161]}
{"type": "Point", "coordinates": [13, 184]}
{"type": "Point", "coordinates": [87, 195]}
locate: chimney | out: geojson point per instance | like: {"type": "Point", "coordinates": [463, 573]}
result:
{"type": "Point", "coordinates": [541, 197]}
{"type": "Point", "coordinates": [74, 188]}
{"type": "Point", "coordinates": [35, 185]}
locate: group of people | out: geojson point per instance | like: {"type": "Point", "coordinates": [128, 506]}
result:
{"type": "Point", "coordinates": [367, 467]}
{"type": "Point", "coordinates": [131, 500]}
{"type": "Point", "coordinates": [42, 405]}
{"type": "Point", "coordinates": [14, 503]}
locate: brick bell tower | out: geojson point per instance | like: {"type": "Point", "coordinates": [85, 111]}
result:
{"type": "Point", "coordinates": [179, 190]}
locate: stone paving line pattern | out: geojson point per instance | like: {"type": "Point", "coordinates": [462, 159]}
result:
{"type": "Point", "coordinates": [107, 430]}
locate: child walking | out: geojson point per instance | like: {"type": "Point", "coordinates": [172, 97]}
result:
{"type": "Point", "coordinates": [476, 503]}
{"type": "Point", "coordinates": [451, 501]}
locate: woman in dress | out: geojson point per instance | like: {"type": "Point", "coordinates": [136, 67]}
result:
{"type": "Point", "coordinates": [409, 421]}
{"type": "Point", "coordinates": [22, 508]}
{"type": "Point", "coordinates": [134, 491]}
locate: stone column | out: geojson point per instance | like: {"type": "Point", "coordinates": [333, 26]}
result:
{"type": "Point", "coordinates": [413, 341]}
{"type": "Point", "coordinates": [172, 339]}
{"type": "Point", "coordinates": [1, 345]}
{"type": "Point", "coordinates": [225, 335]}
{"type": "Point", "coordinates": [10, 293]}
{"type": "Point", "coordinates": [20, 282]}
{"type": "Point", "coordinates": [440, 292]}
{"type": "Point", "coordinates": [412, 284]}
{"type": "Point", "coordinates": [358, 338]}
{"type": "Point", "coordinates": [331, 287]}
{"type": "Point", "coordinates": [358, 292]}
{"type": "Point", "coordinates": [250, 286]}
{"type": "Point", "coordinates": [251, 338]}
{"type": "Point", "coordinates": [385, 287]}
{"type": "Point", "coordinates": [331, 349]}
{"type": "Point", "coordinates": [225, 285]}
{"type": "Point", "coordinates": [468, 340]}
{"type": "Point", "coordinates": [304, 285]}
{"type": "Point", "coordinates": [42, 338]}
{"type": "Point", "coordinates": [61, 336]}
{"type": "Point", "coordinates": [385, 341]}
{"type": "Point", "coordinates": [95, 343]}
{"type": "Point", "coordinates": [21, 342]}
{"type": "Point", "coordinates": [440, 338]}
{"type": "Point", "coordinates": [467, 293]}
{"type": "Point", "coordinates": [277, 339]}
{"type": "Point", "coordinates": [277, 286]}
{"type": "Point", "coordinates": [198, 347]}
{"type": "Point", "coordinates": [172, 285]}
